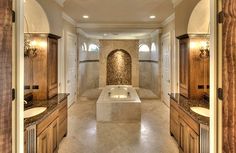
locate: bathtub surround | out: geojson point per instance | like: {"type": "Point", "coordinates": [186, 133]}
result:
{"type": "Point", "coordinates": [119, 68]}
{"type": "Point", "coordinates": [106, 47]}
{"type": "Point", "coordinates": [118, 103]}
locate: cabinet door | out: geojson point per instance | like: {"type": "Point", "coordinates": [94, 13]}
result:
{"type": "Point", "coordinates": [193, 141]}
{"type": "Point", "coordinates": [182, 136]}
{"type": "Point", "coordinates": [184, 62]}
{"type": "Point", "coordinates": [174, 123]}
{"type": "Point", "coordinates": [52, 67]}
{"type": "Point", "coordinates": [44, 142]}
{"type": "Point", "coordinates": [63, 120]}
{"type": "Point", "coordinates": [54, 135]}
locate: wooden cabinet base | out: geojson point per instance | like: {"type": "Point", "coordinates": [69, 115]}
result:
{"type": "Point", "coordinates": [184, 129]}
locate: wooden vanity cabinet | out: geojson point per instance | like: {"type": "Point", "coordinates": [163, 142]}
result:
{"type": "Point", "coordinates": [48, 134]}
{"type": "Point", "coordinates": [193, 70]}
{"type": "Point", "coordinates": [174, 122]}
{"type": "Point", "coordinates": [184, 129]}
{"type": "Point", "coordinates": [54, 130]}
{"type": "Point", "coordinates": [183, 64]}
{"type": "Point", "coordinates": [41, 73]}
{"type": "Point", "coordinates": [44, 143]}
{"type": "Point", "coordinates": [47, 141]}
{"type": "Point", "coordinates": [63, 119]}
{"type": "Point", "coordinates": [52, 66]}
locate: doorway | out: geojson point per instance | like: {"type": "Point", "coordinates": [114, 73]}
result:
{"type": "Point", "coordinates": [71, 68]}
{"type": "Point", "coordinates": [166, 68]}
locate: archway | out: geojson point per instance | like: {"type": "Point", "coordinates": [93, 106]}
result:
{"type": "Point", "coordinates": [119, 68]}
{"type": "Point", "coordinates": [35, 18]}
{"type": "Point", "coordinates": [199, 21]}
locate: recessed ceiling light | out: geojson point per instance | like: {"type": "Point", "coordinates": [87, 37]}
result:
{"type": "Point", "coordinates": [85, 16]}
{"type": "Point", "coordinates": [152, 17]}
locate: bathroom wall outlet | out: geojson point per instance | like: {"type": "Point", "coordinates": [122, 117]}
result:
{"type": "Point", "coordinates": [35, 87]}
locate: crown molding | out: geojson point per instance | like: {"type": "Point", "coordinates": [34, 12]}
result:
{"type": "Point", "coordinates": [156, 32]}
{"type": "Point", "coordinates": [60, 2]}
{"type": "Point", "coordinates": [119, 25]}
{"type": "Point", "coordinates": [69, 19]}
{"type": "Point", "coordinates": [147, 36]}
{"type": "Point", "coordinates": [168, 20]}
{"type": "Point", "coordinates": [176, 2]}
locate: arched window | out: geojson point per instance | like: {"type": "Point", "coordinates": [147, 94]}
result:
{"type": "Point", "coordinates": [144, 48]}
{"type": "Point", "coordinates": [153, 47]}
{"type": "Point", "coordinates": [84, 47]}
{"type": "Point", "coordinates": [93, 48]}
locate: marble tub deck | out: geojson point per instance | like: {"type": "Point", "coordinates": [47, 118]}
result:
{"type": "Point", "coordinates": [151, 135]}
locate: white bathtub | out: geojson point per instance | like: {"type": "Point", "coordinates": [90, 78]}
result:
{"type": "Point", "coordinates": [118, 103]}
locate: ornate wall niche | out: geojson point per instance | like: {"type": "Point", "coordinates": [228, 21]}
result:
{"type": "Point", "coordinates": [119, 64]}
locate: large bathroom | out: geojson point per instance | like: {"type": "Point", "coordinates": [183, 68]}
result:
{"type": "Point", "coordinates": [154, 76]}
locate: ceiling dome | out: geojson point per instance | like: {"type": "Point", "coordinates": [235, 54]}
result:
{"type": "Point", "coordinates": [36, 20]}
{"type": "Point", "coordinates": [199, 20]}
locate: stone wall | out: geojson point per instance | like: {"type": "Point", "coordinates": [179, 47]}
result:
{"type": "Point", "coordinates": [119, 68]}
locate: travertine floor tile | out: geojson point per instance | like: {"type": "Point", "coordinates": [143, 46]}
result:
{"type": "Point", "coordinates": [151, 135]}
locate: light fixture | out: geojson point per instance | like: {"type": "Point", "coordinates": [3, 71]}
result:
{"type": "Point", "coordinates": [30, 49]}
{"type": "Point", "coordinates": [85, 16]}
{"type": "Point", "coordinates": [204, 49]}
{"type": "Point", "coordinates": [152, 17]}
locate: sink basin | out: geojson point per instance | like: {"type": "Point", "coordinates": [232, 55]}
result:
{"type": "Point", "coordinates": [34, 111]}
{"type": "Point", "coordinates": [201, 111]}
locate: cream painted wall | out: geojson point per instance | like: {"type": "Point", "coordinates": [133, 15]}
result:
{"type": "Point", "coordinates": [35, 20]}
{"type": "Point", "coordinates": [182, 14]}
{"type": "Point", "coordinates": [170, 28]}
{"type": "Point", "coordinates": [54, 14]}
{"type": "Point", "coordinates": [67, 28]}
{"type": "Point", "coordinates": [199, 20]}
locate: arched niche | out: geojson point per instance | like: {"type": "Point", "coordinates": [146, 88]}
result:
{"type": "Point", "coordinates": [119, 68]}
{"type": "Point", "coordinates": [199, 20]}
{"type": "Point", "coordinates": [36, 20]}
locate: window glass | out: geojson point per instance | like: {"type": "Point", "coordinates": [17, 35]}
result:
{"type": "Point", "coordinates": [153, 47]}
{"type": "Point", "coordinates": [93, 48]}
{"type": "Point", "coordinates": [144, 48]}
{"type": "Point", "coordinates": [84, 47]}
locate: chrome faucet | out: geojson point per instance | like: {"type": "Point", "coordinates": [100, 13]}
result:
{"type": "Point", "coordinates": [25, 102]}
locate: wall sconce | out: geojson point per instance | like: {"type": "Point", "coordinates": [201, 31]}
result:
{"type": "Point", "coordinates": [30, 49]}
{"type": "Point", "coordinates": [204, 49]}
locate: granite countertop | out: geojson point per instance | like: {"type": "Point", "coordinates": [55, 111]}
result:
{"type": "Point", "coordinates": [51, 104]}
{"type": "Point", "coordinates": [185, 104]}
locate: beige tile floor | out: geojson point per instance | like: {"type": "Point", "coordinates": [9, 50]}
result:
{"type": "Point", "coordinates": [151, 135]}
